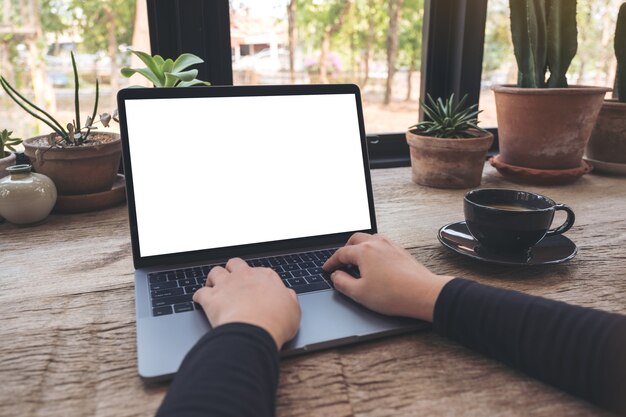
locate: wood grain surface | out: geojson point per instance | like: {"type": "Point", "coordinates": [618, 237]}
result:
{"type": "Point", "coordinates": [67, 334]}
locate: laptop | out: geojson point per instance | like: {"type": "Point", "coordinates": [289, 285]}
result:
{"type": "Point", "coordinates": [276, 175]}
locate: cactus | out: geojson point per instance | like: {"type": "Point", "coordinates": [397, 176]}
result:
{"type": "Point", "coordinates": [620, 53]}
{"type": "Point", "coordinates": [544, 37]}
{"type": "Point", "coordinates": [528, 30]}
{"type": "Point", "coordinates": [562, 40]}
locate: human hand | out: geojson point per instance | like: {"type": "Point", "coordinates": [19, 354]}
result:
{"type": "Point", "coordinates": [392, 281]}
{"type": "Point", "coordinates": [240, 294]}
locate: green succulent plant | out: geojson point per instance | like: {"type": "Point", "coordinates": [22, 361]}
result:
{"type": "Point", "coordinates": [167, 72]}
{"type": "Point", "coordinates": [7, 142]}
{"type": "Point", "coordinates": [447, 120]}
{"type": "Point", "coordinates": [72, 134]}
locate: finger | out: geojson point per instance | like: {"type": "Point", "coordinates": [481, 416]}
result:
{"type": "Point", "coordinates": [203, 295]}
{"type": "Point", "coordinates": [216, 274]}
{"type": "Point", "coordinates": [346, 284]}
{"type": "Point", "coordinates": [343, 256]}
{"type": "Point", "coordinates": [382, 237]}
{"type": "Point", "coordinates": [234, 264]}
{"type": "Point", "coordinates": [358, 237]}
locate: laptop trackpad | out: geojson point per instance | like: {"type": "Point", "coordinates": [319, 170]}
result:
{"type": "Point", "coordinates": [332, 319]}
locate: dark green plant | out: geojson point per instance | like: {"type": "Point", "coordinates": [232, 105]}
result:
{"type": "Point", "coordinates": [447, 120]}
{"type": "Point", "coordinates": [7, 143]}
{"type": "Point", "coordinates": [620, 53]}
{"type": "Point", "coordinates": [167, 72]}
{"type": "Point", "coordinates": [544, 37]}
{"type": "Point", "coordinates": [73, 134]}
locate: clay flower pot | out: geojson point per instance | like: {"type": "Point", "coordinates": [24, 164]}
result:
{"type": "Point", "coordinates": [608, 138]}
{"type": "Point", "coordinates": [546, 128]}
{"type": "Point", "coordinates": [77, 170]}
{"type": "Point", "coordinates": [448, 163]}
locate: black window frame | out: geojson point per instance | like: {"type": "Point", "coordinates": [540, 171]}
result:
{"type": "Point", "coordinates": [452, 53]}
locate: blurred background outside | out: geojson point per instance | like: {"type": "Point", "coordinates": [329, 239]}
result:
{"type": "Point", "coordinates": [376, 44]}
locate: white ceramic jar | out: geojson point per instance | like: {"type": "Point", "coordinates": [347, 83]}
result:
{"type": "Point", "coordinates": [26, 197]}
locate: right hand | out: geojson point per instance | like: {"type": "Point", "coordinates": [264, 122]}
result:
{"type": "Point", "coordinates": [392, 281]}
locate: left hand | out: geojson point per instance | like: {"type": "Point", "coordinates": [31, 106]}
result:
{"type": "Point", "coordinates": [241, 294]}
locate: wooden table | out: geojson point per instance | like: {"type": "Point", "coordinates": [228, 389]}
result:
{"type": "Point", "coordinates": [67, 334]}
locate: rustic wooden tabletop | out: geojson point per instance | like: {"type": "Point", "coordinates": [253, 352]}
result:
{"type": "Point", "coordinates": [67, 333]}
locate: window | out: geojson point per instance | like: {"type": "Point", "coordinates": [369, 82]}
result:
{"type": "Point", "coordinates": [594, 63]}
{"type": "Point", "coordinates": [335, 41]}
{"type": "Point", "coordinates": [38, 37]}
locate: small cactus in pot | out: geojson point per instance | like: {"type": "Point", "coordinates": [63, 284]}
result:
{"type": "Point", "coordinates": [544, 124]}
{"type": "Point", "coordinates": [448, 150]}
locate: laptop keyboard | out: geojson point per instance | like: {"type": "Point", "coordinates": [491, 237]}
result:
{"type": "Point", "coordinates": [171, 291]}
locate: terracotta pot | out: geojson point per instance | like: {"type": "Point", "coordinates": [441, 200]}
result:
{"type": "Point", "coordinates": [77, 170]}
{"type": "Point", "coordinates": [546, 128]}
{"type": "Point", "coordinates": [5, 162]}
{"type": "Point", "coordinates": [608, 138]}
{"type": "Point", "coordinates": [448, 163]}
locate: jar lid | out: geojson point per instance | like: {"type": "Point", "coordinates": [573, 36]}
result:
{"type": "Point", "coordinates": [19, 169]}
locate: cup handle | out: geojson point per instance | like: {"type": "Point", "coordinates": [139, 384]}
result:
{"type": "Point", "coordinates": [569, 222]}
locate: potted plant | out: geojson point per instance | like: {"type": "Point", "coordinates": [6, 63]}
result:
{"type": "Point", "coordinates": [544, 124]}
{"type": "Point", "coordinates": [7, 158]}
{"type": "Point", "coordinates": [608, 138]}
{"type": "Point", "coordinates": [167, 72]}
{"type": "Point", "coordinates": [448, 150]}
{"type": "Point", "coordinates": [79, 159]}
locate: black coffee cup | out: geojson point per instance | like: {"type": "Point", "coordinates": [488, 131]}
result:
{"type": "Point", "coordinates": [511, 220]}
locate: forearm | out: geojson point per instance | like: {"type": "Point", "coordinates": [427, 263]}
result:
{"type": "Point", "coordinates": [232, 371]}
{"type": "Point", "coordinates": [580, 350]}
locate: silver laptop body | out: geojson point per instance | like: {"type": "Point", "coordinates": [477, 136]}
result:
{"type": "Point", "coordinates": [247, 171]}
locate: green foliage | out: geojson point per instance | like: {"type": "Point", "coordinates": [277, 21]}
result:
{"type": "Point", "coordinates": [447, 120]}
{"type": "Point", "coordinates": [410, 35]}
{"type": "Point", "coordinates": [544, 38]}
{"type": "Point", "coordinates": [166, 72]}
{"type": "Point", "coordinates": [72, 133]}
{"type": "Point", "coordinates": [497, 37]}
{"type": "Point", "coordinates": [7, 143]}
{"type": "Point", "coordinates": [96, 17]}
{"type": "Point", "coordinates": [620, 53]}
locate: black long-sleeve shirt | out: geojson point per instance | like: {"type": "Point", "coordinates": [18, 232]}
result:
{"type": "Point", "coordinates": [233, 370]}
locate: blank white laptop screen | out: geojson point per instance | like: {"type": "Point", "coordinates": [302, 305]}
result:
{"type": "Point", "coordinates": [258, 169]}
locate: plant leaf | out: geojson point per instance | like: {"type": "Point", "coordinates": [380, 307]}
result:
{"type": "Point", "coordinates": [184, 61]}
{"type": "Point", "coordinates": [170, 80]}
{"type": "Point", "coordinates": [158, 59]}
{"type": "Point", "coordinates": [128, 72]}
{"type": "Point", "coordinates": [192, 83]}
{"type": "Point", "coordinates": [167, 66]}
{"type": "Point", "coordinates": [185, 75]}
{"type": "Point", "coordinates": [151, 64]}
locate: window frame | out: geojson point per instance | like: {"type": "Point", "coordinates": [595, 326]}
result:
{"type": "Point", "coordinates": [453, 44]}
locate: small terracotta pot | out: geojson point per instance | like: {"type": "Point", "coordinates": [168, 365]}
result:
{"type": "Point", "coordinates": [6, 161]}
{"type": "Point", "coordinates": [77, 170]}
{"type": "Point", "coordinates": [608, 138]}
{"type": "Point", "coordinates": [448, 163]}
{"type": "Point", "coordinates": [546, 128]}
